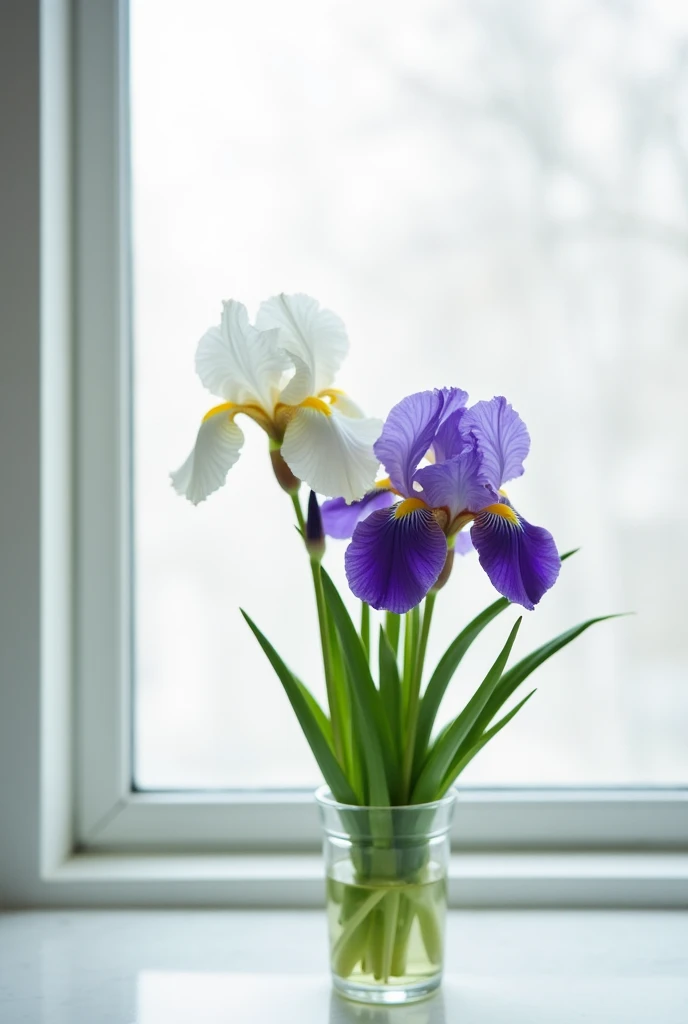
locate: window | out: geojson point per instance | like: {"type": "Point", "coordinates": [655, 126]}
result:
{"type": "Point", "coordinates": [548, 274]}
{"type": "Point", "coordinates": [74, 830]}
{"type": "Point", "coordinates": [493, 196]}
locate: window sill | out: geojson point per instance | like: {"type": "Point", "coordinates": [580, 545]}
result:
{"type": "Point", "coordinates": [571, 879]}
{"type": "Point", "coordinates": [168, 967]}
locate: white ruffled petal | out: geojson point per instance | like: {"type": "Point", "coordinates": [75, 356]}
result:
{"type": "Point", "coordinates": [315, 335]}
{"type": "Point", "coordinates": [239, 363]}
{"type": "Point", "coordinates": [332, 453]}
{"type": "Point", "coordinates": [218, 446]}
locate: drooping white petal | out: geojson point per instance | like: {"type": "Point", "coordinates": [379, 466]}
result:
{"type": "Point", "coordinates": [217, 448]}
{"type": "Point", "coordinates": [317, 336]}
{"type": "Point", "coordinates": [332, 453]}
{"type": "Point", "coordinates": [239, 363]}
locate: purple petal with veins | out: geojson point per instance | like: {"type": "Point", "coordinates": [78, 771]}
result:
{"type": "Point", "coordinates": [407, 435]}
{"type": "Point", "coordinates": [463, 545]}
{"type": "Point", "coordinates": [448, 440]}
{"type": "Point", "coordinates": [393, 562]}
{"type": "Point", "coordinates": [458, 484]}
{"type": "Point", "coordinates": [502, 436]}
{"type": "Point", "coordinates": [341, 519]}
{"type": "Point", "coordinates": [521, 560]}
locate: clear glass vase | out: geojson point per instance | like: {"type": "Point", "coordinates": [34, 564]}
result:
{"type": "Point", "coordinates": [386, 897]}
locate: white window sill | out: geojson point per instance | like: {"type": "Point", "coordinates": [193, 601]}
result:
{"type": "Point", "coordinates": [599, 879]}
{"type": "Point", "coordinates": [169, 967]}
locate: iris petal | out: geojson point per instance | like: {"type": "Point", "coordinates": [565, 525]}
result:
{"type": "Point", "coordinates": [521, 560]}
{"type": "Point", "coordinates": [502, 436]}
{"type": "Point", "coordinates": [217, 448]}
{"type": "Point", "coordinates": [239, 363]}
{"type": "Point", "coordinates": [392, 562]}
{"type": "Point", "coordinates": [407, 435]}
{"type": "Point", "coordinates": [448, 440]}
{"type": "Point", "coordinates": [458, 484]}
{"type": "Point", "coordinates": [463, 545]}
{"type": "Point", "coordinates": [332, 453]}
{"type": "Point", "coordinates": [340, 518]}
{"type": "Point", "coordinates": [313, 334]}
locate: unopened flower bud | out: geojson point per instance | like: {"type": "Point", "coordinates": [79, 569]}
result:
{"type": "Point", "coordinates": [285, 478]}
{"type": "Point", "coordinates": [446, 571]}
{"type": "Point", "coordinates": [315, 535]}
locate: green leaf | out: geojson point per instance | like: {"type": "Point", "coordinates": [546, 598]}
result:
{"type": "Point", "coordinates": [411, 635]}
{"type": "Point", "coordinates": [512, 679]}
{"type": "Point", "coordinates": [442, 676]}
{"type": "Point", "coordinates": [444, 750]}
{"type": "Point", "coordinates": [466, 753]}
{"type": "Point", "coordinates": [393, 628]}
{"type": "Point", "coordinates": [365, 627]}
{"type": "Point", "coordinates": [447, 666]}
{"type": "Point", "coordinates": [317, 740]}
{"type": "Point", "coordinates": [377, 789]}
{"type": "Point", "coordinates": [568, 554]}
{"type": "Point", "coordinates": [390, 688]}
{"type": "Point", "coordinates": [352, 756]}
{"type": "Point", "coordinates": [376, 736]}
{"type": "Point", "coordinates": [324, 724]}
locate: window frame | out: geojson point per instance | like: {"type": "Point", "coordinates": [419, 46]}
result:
{"type": "Point", "coordinates": [98, 839]}
{"type": "Point", "coordinates": [111, 813]}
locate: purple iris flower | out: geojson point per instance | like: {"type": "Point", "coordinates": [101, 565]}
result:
{"type": "Point", "coordinates": [398, 547]}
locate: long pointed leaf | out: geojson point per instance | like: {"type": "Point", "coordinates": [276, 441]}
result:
{"type": "Point", "coordinates": [447, 666]}
{"type": "Point", "coordinates": [390, 689]}
{"type": "Point", "coordinates": [466, 753]}
{"type": "Point", "coordinates": [441, 677]}
{"type": "Point", "coordinates": [322, 751]}
{"type": "Point", "coordinates": [512, 679]}
{"type": "Point", "coordinates": [411, 634]}
{"type": "Point", "coordinates": [393, 628]}
{"type": "Point", "coordinates": [444, 750]}
{"type": "Point", "coordinates": [377, 789]}
{"type": "Point", "coordinates": [324, 724]}
{"type": "Point", "coordinates": [376, 736]}
{"type": "Point", "coordinates": [352, 762]}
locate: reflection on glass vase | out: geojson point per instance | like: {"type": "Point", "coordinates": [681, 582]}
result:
{"type": "Point", "coordinates": [386, 897]}
{"type": "Point", "coordinates": [429, 1011]}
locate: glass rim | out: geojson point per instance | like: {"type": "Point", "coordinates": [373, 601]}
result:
{"type": "Point", "coordinates": [324, 797]}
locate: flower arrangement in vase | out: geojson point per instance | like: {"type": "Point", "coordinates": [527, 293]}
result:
{"type": "Point", "coordinates": [389, 773]}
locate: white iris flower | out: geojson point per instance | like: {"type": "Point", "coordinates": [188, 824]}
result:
{"type": "Point", "coordinates": [280, 373]}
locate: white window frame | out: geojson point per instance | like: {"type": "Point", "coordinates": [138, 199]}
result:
{"type": "Point", "coordinates": [67, 583]}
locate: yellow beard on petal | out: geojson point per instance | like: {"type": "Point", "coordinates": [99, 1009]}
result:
{"type": "Point", "coordinates": [255, 412]}
{"type": "Point", "coordinates": [317, 404]}
{"type": "Point", "coordinates": [285, 413]}
{"type": "Point", "coordinates": [407, 506]}
{"type": "Point", "coordinates": [225, 407]}
{"type": "Point", "coordinates": [505, 511]}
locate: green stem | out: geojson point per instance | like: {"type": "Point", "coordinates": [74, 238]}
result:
{"type": "Point", "coordinates": [410, 646]}
{"type": "Point", "coordinates": [352, 924]}
{"type": "Point", "coordinates": [299, 514]}
{"type": "Point", "coordinates": [365, 627]}
{"type": "Point", "coordinates": [332, 697]}
{"type": "Point", "coordinates": [392, 624]}
{"type": "Point", "coordinates": [391, 917]}
{"type": "Point", "coordinates": [325, 638]}
{"type": "Point", "coordinates": [414, 693]}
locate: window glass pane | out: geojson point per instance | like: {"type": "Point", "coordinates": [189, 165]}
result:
{"type": "Point", "coordinates": [492, 195]}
